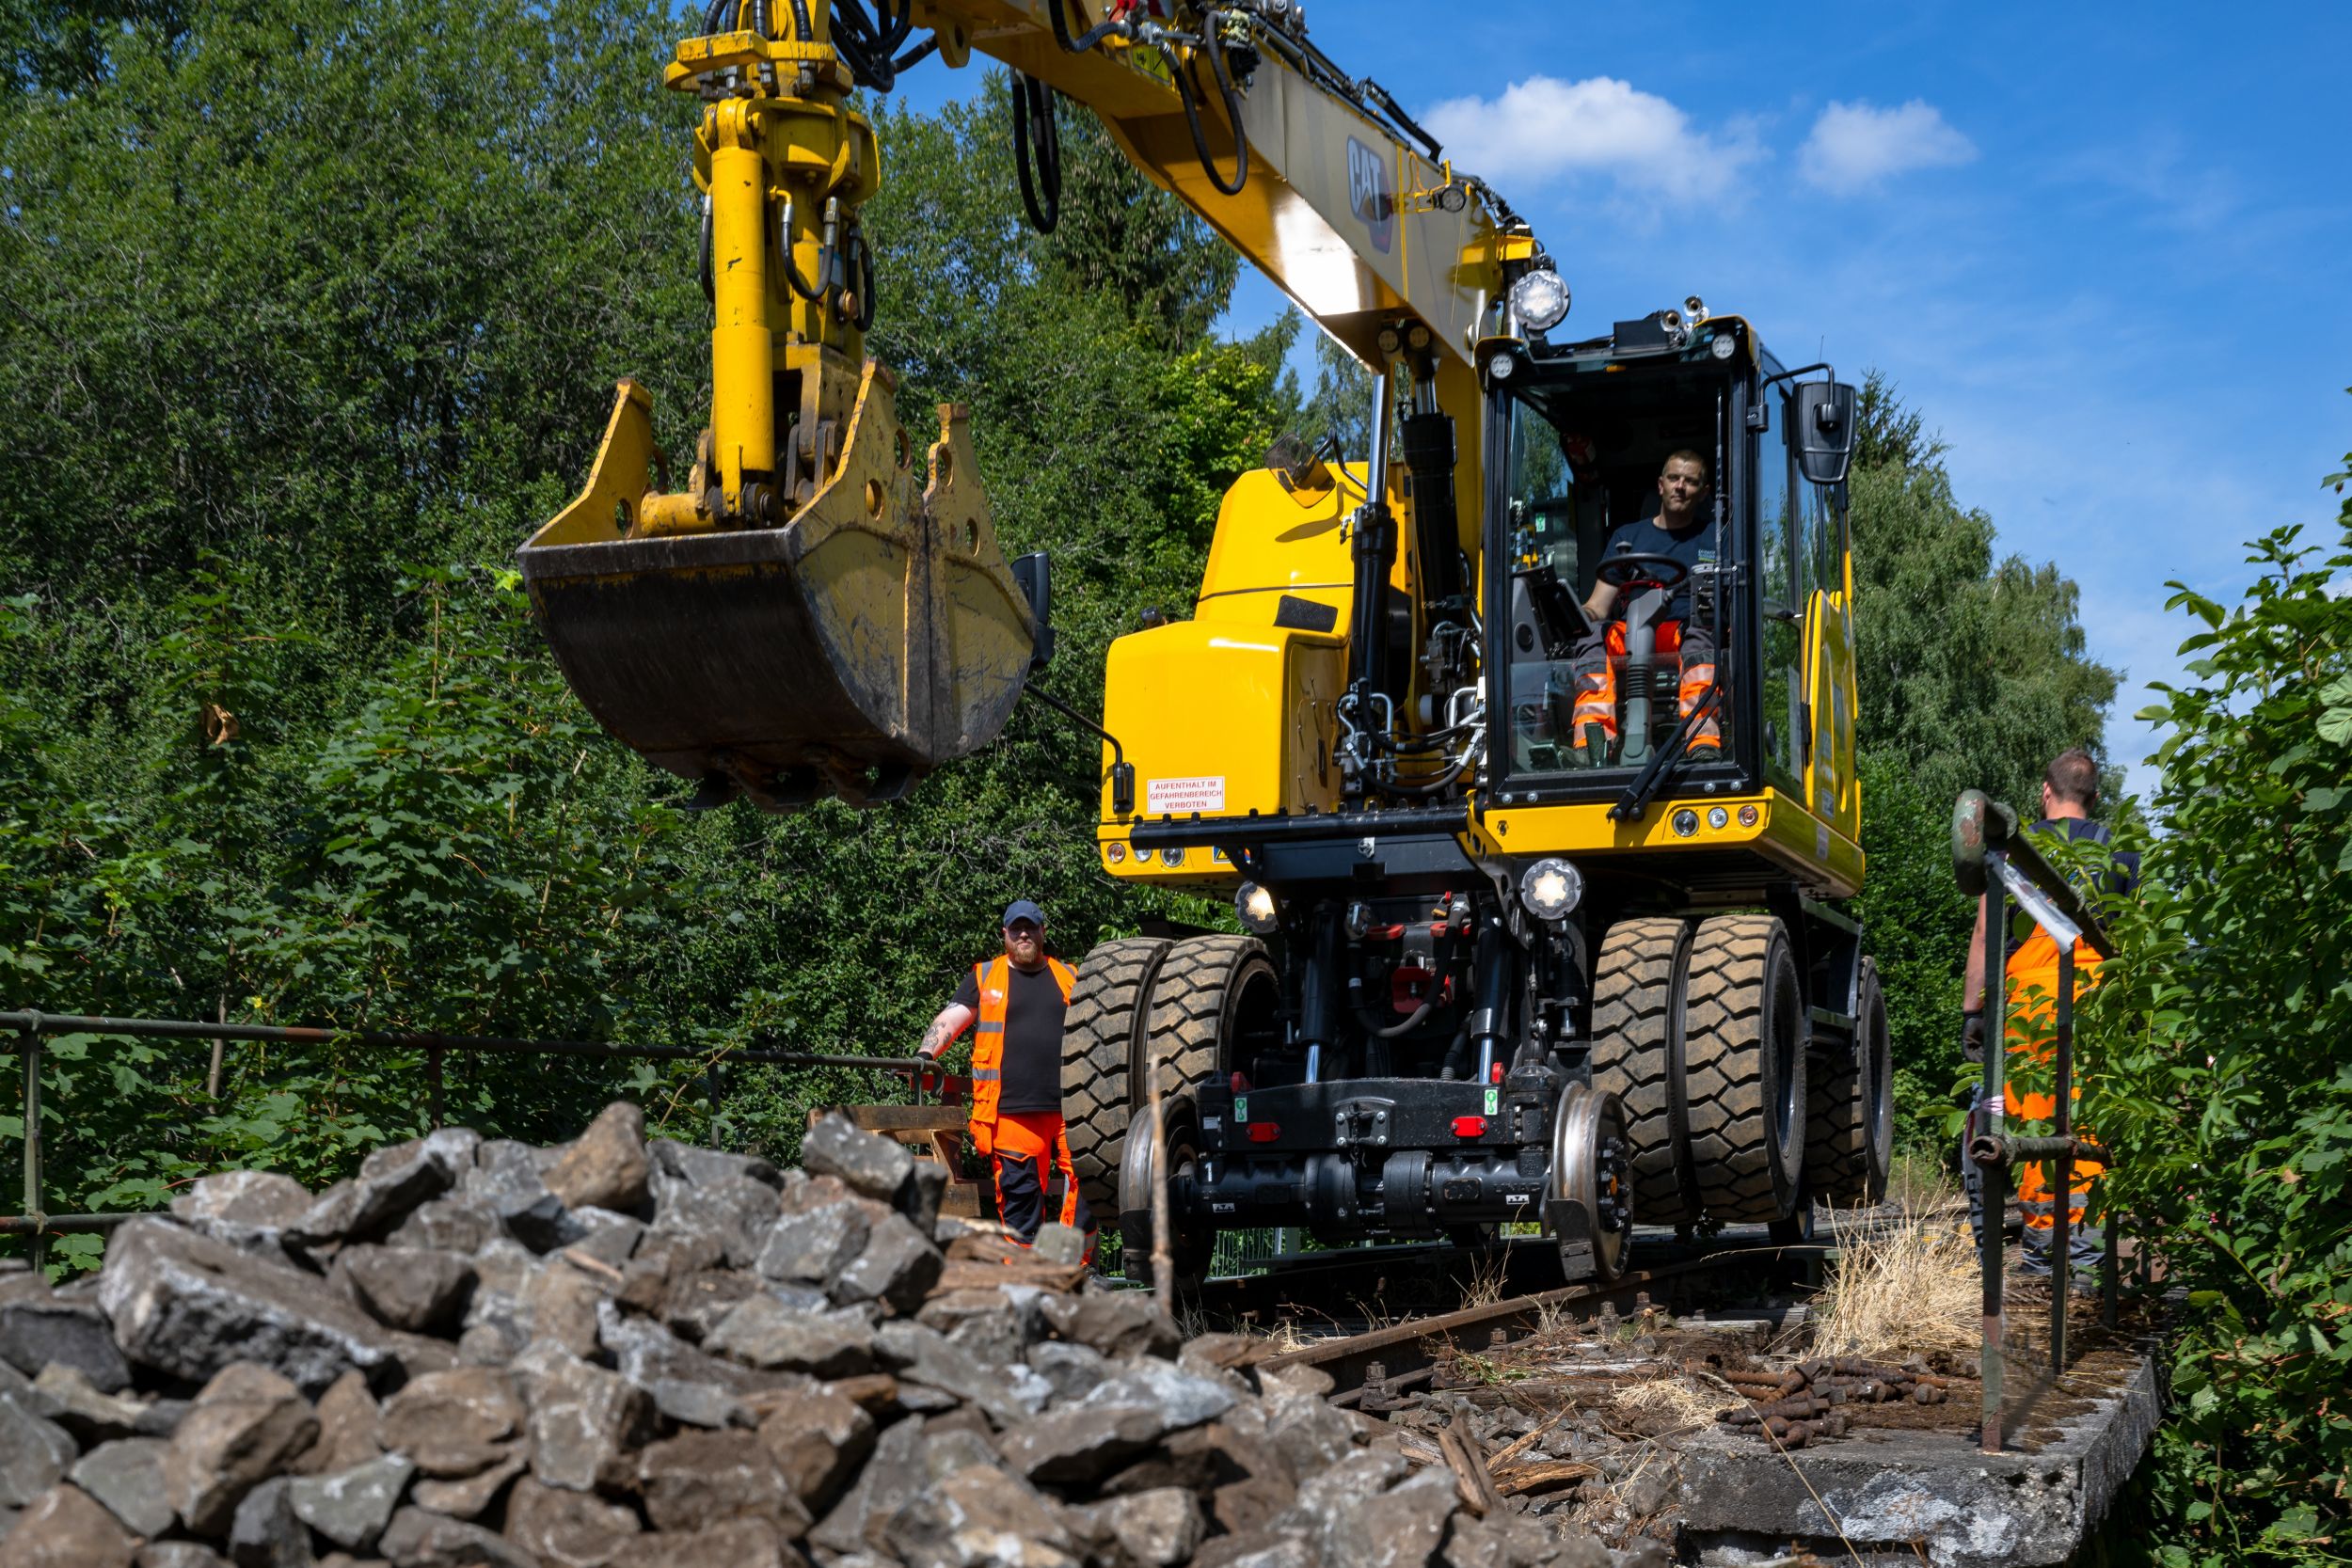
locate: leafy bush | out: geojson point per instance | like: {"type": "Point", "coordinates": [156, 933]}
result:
{"type": "Point", "coordinates": [2217, 1070]}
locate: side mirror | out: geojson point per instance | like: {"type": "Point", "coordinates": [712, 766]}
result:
{"type": "Point", "coordinates": [1826, 416]}
{"type": "Point", "coordinates": [1036, 580]}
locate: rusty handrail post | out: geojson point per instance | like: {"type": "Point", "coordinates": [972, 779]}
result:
{"type": "Point", "coordinates": [1993, 1174]}
{"type": "Point", "coordinates": [2062, 1188]}
{"type": "Point", "coordinates": [34, 1201]}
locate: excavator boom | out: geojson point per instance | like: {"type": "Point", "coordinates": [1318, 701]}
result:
{"type": "Point", "coordinates": [814, 611]}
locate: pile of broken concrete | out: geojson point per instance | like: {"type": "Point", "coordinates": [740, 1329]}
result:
{"type": "Point", "coordinates": [617, 1354]}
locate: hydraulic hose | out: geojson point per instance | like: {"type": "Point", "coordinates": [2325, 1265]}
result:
{"type": "Point", "coordinates": [866, 303]}
{"type": "Point", "coordinates": [815, 296]}
{"type": "Point", "coordinates": [1095, 35]}
{"type": "Point", "coordinates": [1188, 94]}
{"type": "Point", "coordinates": [1037, 139]}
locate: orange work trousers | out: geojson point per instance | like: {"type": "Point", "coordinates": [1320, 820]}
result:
{"type": "Point", "coordinates": [1021, 1147]}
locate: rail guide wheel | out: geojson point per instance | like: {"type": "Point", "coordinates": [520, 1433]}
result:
{"type": "Point", "coordinates": [1589, 1202]}
{"type": "Point", "coordinates": [1190, 1247]}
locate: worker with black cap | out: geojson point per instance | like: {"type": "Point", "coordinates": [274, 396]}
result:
{"type": "Point", "coordinates": [1018, 1001]}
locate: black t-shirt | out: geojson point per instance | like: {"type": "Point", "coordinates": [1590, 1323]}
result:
{"type": "Point", "coordinates": [1033, 1009]}
{"type": "Point", "coordinates": [1694, 547]}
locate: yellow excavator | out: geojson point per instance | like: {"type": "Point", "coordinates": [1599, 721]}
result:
{"type": "Point", "coordinates": [1535, 800]}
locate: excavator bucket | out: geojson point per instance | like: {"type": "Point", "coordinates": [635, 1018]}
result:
{"type": "Point", "coordinates": [872, 636]}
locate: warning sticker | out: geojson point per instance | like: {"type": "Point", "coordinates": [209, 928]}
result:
{"type": "Point", "coordinates": [1183, 796]}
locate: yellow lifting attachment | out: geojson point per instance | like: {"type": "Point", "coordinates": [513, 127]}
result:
{"type": "Point", "coordinates": [812, 613]}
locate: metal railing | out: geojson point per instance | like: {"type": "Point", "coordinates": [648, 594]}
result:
{"type": "Point", "coordinates": [26, 1033]}
{"type": "Point", "coordinates": [1993, 858]}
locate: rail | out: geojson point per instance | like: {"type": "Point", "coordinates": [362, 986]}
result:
{"type": "Point", "coordinates": [27, 1030]}
{"type": "Point", "coordinates": [1992, 858]}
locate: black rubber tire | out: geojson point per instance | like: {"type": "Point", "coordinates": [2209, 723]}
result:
{"type": "Point", "coordinates": [1878, 1081]}
{"type": "Point", "coordinates": [1195, 1011]}
{"type": "Point", "coordinates": [1101, 1033]}
{"type": "Point", "coordinates": [1744, 1035]}
{"type": "Point", "coordinates": [1637, 1056]}
{"type": "Point", "coordinates": [1850, 1125]}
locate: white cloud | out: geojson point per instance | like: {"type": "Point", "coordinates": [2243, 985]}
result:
{"type": "Point", "coordinates": [1855, 146]}
{"type": "Point", "coordinates": [1547, 129]}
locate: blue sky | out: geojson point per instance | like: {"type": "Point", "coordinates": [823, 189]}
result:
{"type": "Point", "coordinates": [2105, 250]}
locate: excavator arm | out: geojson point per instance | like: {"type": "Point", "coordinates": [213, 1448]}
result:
{"type": "Point", "coordinates": [817, 612]}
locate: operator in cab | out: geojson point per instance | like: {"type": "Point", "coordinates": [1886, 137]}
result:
{"type": "Point", "coordinates": [1018, 1000]}
{"type": "Point", "coordinates": [1684, 533]}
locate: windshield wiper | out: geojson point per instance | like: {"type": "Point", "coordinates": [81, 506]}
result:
{"type": "Point", "coordinates": [1651, 781]}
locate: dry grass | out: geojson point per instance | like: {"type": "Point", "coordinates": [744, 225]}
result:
{"type": "Point", "coordinates": [1921, 1186]}
{"type": "Point", "coordinates": [1669, 1404]}
{"type": "Point", "coordinates": [1488, 1280]}
{"type": "Point", "coordinates": [1902, 1289]}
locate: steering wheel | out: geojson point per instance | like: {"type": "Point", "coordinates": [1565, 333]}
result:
{"type": "Point", "coordinates": [1622, 570]}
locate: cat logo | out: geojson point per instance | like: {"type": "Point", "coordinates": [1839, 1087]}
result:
{"type": "Point", "coordinates": [1369, 195]}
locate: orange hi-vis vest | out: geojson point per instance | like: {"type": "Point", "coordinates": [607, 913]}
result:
{"type": "Point", "coordinates": [2031, 976]}
{"type": "Point", "coordinates": [994, 979]}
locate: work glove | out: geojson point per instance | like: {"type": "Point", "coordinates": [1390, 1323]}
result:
{"type": "Point", "coordinates": [1971, 1034]}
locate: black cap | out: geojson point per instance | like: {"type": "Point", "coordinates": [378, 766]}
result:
{"type": "Point", "coordinates": [1022, 909]}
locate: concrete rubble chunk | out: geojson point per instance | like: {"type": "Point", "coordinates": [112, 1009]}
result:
{"type": "Point", "coordinates": [126, 1476]}
{"type": "Point", "coordinates": [813, 1246]}
{"type": "Point", "coordinates": [86, 1415]}
{"type": "Point", "coordinates": [763, 1332]}
{"type": "Point", "coordinates": [421, 1290]}
{"type": "Point", "coordinates": [1117, 1325]}
{"type": "Point", "coordinates": [919, 1200]}
{"type": "Point", "coordinates": [456, 1423]}
{"type": "Point", "coordinates": [696, 1302]}
{"type": "Point", "coordinates": [818, 1438]}
{"type": "Point", "coordinates": [1072, 1371]}
{"type": "Point", "coordinates": [1181, 1398]}
{"type": "Point", "coordinates": [1084, 1444]}
{"type": "Point", "coordinates": [248, 1424]}
{"type": "Point", "coordinates": [1060, 1244]}
{"type": "Point", "coordinates": [348, 1417]}
{"type": "Point", "coordinates": [449, 1223]}
{"type": "Point", "coordinates": [606, 1166]}
{"type": "Point", "coordinates": [352, 1507]}
{"type": "Point", "coordinates": [391, 1183]}
{"type": "Point", "coordinates": [563, 1528]}
{"type": "Point", "coordinates": [700, 1405]}
{"type": "Point", "coordinates": [888, 1484]}
{"type": "Point", "coordinates": [646, 1352]}
{"type": "Point", "coordinates": [1255, 1549]}
{"type": "Point", "coordinates": [65, 1527]}
{"type": "Point", "coordinates": [731, 1215]}
{"type": "Point", "coordinates": [923, 1356]}
{"type": "Point", "coordinates": [266, 1533]}
{"type": "Point", "coordinates": [583, 1417]}
{"type": "Point", "coordinates": [980, 1518]}
{"type": "Point", "coordinates": [729, 1543]}
{"type": "Point", "coordinates": [1400, 1527]}
{"type": "Point", "coordinates": [39, 1331]}
{"type": "Point", "coordinates": [469, 1497]}
{"type": "Point", "coordinates": [1311, 1432]}
{"type": "Point", "coordinates": [868, 1165]}
{"type": "Point", "coordinates": [1157, 1528]}
{"type": "Point", "coordinates": [896, 1267]}
{"type": "Point", "coordinates": [188, 1305]}
{"type": "Point", "coordinates": [248, 1209]}
{"type": "Point", "coordinates": [700, 1167]}
{"type": "Point", "coordinates": [178, 1554]}
{"type": "Point", "coordinates": [506, 1180]}
{"type": "Point", "coordinates": [559, 1306]}
{"type": "Point", "coordinates": [700, 1477]}
{"type": "Point", "coordinates": [34, 1453]}
{"type": "Point", "coordinates": [417, 1538]}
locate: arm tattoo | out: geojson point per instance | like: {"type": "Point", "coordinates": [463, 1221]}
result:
{"type": "Point", "coordinates": [935, 1038]}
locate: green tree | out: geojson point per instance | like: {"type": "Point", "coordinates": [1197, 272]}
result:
{"type": "Point", "coordinates": [2215, 1069]}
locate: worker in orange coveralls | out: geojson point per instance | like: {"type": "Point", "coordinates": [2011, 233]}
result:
{"type": "Point", "coordinates": [2069, 791]}
{"type": "Point", "coordinates": [1018, 1001]}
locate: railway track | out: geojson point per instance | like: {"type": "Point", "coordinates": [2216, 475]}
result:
{"type": "Point", "coordinates": [1403, 1310]}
